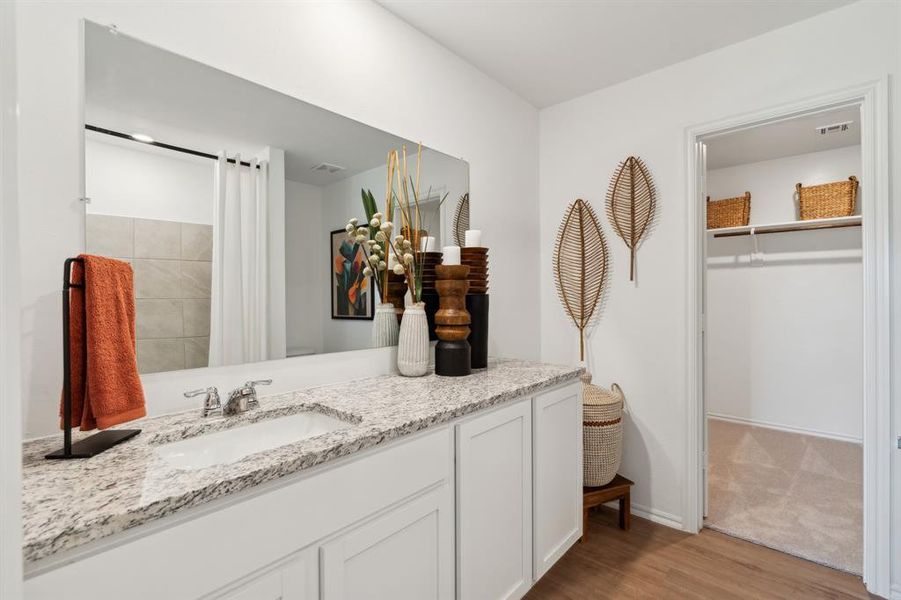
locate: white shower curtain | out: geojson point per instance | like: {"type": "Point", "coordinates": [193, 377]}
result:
{"type": "Point", "coordinates": [239, 327]}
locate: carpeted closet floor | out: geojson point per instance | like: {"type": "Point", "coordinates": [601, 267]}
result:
{"type": "Point", "coordinates": [796, 493]}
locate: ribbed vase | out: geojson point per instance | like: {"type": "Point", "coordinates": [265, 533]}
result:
{"type": "Point", "coordinates": [384, 326]}
{"type": "Point", "coordinates": [413, 342]}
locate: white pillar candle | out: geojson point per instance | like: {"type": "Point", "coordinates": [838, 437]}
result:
{"type": "Point", "coordinates": [473, 238]}
{"type": "Point", "coordinates": [451, 255]}
{"type": "Point", "coordinates": [427, 244]}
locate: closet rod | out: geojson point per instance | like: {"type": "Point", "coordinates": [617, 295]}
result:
{"type": "Point", "coordinates": [126, 136]}
{"type": "Point", "coordinates": [785, 228]}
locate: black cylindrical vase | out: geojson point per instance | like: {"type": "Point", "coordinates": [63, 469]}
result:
{"type": "Point", "coordinates": [431, 307]}
{"type": "Point", "coordinates": [477, 307]}
{"type": "Point", "coordinates": [452, 359]}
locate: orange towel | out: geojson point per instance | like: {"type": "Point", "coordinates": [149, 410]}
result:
{"type": "Point", "coordinates": [106, 387]}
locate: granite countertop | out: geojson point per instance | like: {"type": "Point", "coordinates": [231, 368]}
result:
{"type": "Point", "coordinates": [70, 503]}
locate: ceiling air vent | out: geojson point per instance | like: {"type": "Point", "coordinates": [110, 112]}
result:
{"type": "Point", "coordinates": [834, 128]}
{"type": "Point", "coordinates": [327, 168]}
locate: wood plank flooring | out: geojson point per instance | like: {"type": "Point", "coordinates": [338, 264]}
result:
{"type": "Point", "coordinates": [655, 561]}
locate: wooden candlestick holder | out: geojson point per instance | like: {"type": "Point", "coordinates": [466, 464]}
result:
{"type": "Point", "coordinates": [477, 303]}
{"type": "Point", "coordinates": [452, 353]}
{"type": "Point", "coordinates": [397, 289]}
{"type": "Point", "coordinates": [427, 263]}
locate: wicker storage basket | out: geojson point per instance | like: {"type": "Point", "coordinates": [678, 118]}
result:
{"type": "Point", "coordinates": [602, 432]}
{"type": "Point", "coordinates": [836, 199]}
{"type": "Point", "coordinates": [729, 212]}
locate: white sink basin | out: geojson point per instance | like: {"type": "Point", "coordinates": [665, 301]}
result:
{"type": "Point", "coordinates": [231, 445]}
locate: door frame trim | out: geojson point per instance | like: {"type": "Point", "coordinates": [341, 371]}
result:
{"type": "Point", "coordinates": [872, 96]}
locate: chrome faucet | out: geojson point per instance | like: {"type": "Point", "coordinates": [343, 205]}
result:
{"type": "Point", "coordinates": [211, 403]}
{"type": "Point", "coordinates": [243, 398]}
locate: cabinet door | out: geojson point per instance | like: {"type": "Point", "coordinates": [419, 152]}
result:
{"type": "Point", "coordinates": [494, 504]}
{"type": "Point", "coordinates": [295, 579]}
{"type": "Point", "coordinates": [405, 554]}
{"type": "Point", "coordinates": [557, 476]}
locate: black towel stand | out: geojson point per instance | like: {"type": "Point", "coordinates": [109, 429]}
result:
{"type": "Point", "coordinates": [97, 443]}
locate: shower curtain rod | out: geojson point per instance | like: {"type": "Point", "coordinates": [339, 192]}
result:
{"type": "Point", "coordinates": [126, 136]}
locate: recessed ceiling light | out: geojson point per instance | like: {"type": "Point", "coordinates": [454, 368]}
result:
{"type": "Point", "coordinates": [142, 137]}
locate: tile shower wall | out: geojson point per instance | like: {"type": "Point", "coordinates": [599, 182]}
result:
{"type": "Point", "coordinates": [172, 263]}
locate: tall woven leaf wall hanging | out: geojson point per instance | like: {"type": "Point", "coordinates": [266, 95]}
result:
{"type": "Point", "coordinates": [631, 200]}
{"type": "Point", "coordinates": [580, 266]}
{"type": "Point", "coordinates": [461, 220]}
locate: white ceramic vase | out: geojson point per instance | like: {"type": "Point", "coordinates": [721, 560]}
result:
{"type": "Point", "coordinates": [384, 326]}
{"type": "Point", "coordinates": [413, 342]}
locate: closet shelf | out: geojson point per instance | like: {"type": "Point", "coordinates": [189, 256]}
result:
{"type": "Point", "coordinates": [831, 223]}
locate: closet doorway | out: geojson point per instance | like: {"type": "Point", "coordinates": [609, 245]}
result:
{"type": "Point", "coordinates": [783, 337]}
{"type": "Point", "coordinates": [772, 244]}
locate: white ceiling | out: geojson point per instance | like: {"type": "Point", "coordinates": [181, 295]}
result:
{"type": "Point", "coordinates": [134, 87]}
{"type": "Point", "coordinates": [548, 51]}
{"type": "Point", "coordinates": [784, 138]}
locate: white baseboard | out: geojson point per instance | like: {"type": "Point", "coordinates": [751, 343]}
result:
{"type": "Point", "coordinates": [788, 428]}
{"type": "Point", "coordinates": [651, 514]}
{"type": "Point", "coordinates": [657, 516]}
{"type": "Point", "coordinates": [896, 592]}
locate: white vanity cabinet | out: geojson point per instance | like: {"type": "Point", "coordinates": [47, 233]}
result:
{"type": "Point", "coordinates": [294, 579]}
{"type": "Point", "coordinates": [556, 475]}
{"type": "Point", "coordinates": [405, 555]}
{"type": "Point", "coordinates": [478, 508]}
{"type": "Point", "coordinates": [519, 492]}
{"type": "Point", "coordinates": [335, 527]}
{"type": "Point", "coordinates": [494, 503]}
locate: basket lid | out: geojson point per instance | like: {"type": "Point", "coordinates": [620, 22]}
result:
{"type": "Point", "coordinates": [594, 395]}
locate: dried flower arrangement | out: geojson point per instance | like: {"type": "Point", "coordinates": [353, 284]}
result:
{"type": "Point", "coordinates": [376, 236]}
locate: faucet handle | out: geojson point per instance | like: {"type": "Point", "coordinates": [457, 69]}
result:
{"type": "Point", "coordinates": [193, 393]}
{"type": "Point", "coordinates": [259, 382]}
{"type": "Point", "coordinates": [253, 402]}
{"type": "Point", "coordinates": [211, 402]}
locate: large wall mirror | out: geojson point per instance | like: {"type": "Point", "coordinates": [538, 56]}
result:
{"type": "Point", "coordinates": [229, 200]}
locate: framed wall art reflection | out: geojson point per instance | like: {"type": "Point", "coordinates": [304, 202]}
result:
{"type": "Point", "coordinates": [352, 293]}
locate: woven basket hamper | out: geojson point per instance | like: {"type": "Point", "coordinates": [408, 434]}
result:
{"type": "Point", "coordinates": [729, 212]}
{"type": "Point", "coordinates": [602, 432]}
{"type": "Point", "coordinates": [836, 199]}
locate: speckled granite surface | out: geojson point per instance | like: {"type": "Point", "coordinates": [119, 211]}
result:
{"type": "Point", "coordinates": [70, 503]}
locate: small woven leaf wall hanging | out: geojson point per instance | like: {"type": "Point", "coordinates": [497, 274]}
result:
{"type": "Point", "coordinates": [631, 200]}
{"type": "Point", "coordinates": [461, 220]}
{"type": "Point", "coordinates": [580, 266]}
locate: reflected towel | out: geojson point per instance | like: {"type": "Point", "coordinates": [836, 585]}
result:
{"type": "Point", "coordinates": [106, 387]}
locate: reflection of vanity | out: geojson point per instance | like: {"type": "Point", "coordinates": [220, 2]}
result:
{"type": "Point", "coordinates": [464, 488]}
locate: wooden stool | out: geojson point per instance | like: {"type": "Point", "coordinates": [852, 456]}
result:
{"type": "Point", "coordinates": [618, 489]}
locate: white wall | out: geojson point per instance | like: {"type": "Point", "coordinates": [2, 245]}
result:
{"type": "Point", "coordinates": [446, 175]}
{"type": "Point", "coordinates": [784, 338]}
{"type": "Point", "coordinates": [304, 252]}
{"type": "Point", "coordinates": [10, 375]}
{"type": "Point", "coordinates": [445, 102]}
{"type": "Point", "coordinates": [640, 340]}
{"type": "Point", "coordinates": [147, 183]}
{"type": "Point", "coordinates": [341, 201]}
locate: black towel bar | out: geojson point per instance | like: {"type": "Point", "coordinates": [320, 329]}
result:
{"type": "Point", "coordinates": [97, 443]}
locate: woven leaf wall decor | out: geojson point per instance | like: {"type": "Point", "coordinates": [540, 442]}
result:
{"type": "Point", "coordinates": [631, 200]}
{"type": "Point", "coordinates": [461, 220]}
{"type": "Point", "coordinates": [580, 266]}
